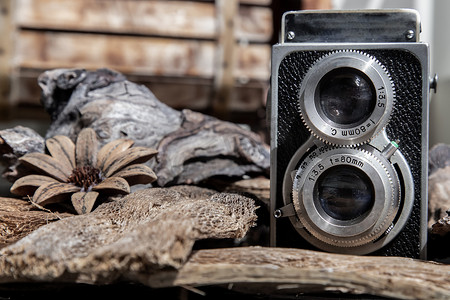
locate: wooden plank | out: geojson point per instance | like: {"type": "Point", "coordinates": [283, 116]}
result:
{"type": "Point", "coordinates": [256, 2]}
{"type": "Point", "coordinates": [179, 93]}
{"type": "Point", "coordinates": [188, 19]}
{"type": "Point", "coordinates": [254, 24]}
{"type": "Point", "coordinates": [225, 56]}
{"type": "Point", "coordinates": [5, 54]}
{"type": "Point", "coordinates": [316, 4]}
{"type": "Point", "coordinates": [134, 55]}
{"type": "Point", "coordinates": [196, 95]}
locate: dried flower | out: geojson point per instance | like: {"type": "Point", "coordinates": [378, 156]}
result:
{"type": "Point", "coordinates": [80, 172]}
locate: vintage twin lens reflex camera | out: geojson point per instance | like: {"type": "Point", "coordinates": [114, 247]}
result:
{"type": "Point", "coordinates": [349, 133]}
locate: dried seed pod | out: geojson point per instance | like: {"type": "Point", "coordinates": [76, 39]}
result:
{"type": "Point", "coordinates": [72, 171]}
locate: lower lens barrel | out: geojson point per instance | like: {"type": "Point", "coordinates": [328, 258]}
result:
{"type": "Point", "coordinates": [345, 193]}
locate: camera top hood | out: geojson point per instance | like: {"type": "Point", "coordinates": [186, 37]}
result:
{"type": "Point", "coordinates": [351, 26]}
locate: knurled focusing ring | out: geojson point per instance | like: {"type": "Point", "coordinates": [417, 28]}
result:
{"type": "Point", "coordinates": [380, 201]}
{"type": "Point", "coordinates": [346, 98]}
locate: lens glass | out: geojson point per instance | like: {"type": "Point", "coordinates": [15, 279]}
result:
{"type": "Point", "coordinates": [346, 96]}
{"type": "Point", "coordinates": [345, 192]}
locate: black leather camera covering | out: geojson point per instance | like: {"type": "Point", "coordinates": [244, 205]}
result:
{"type": "Point", "coordinates": [405, 125]}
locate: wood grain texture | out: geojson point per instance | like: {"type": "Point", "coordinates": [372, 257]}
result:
{"type": "Point", "coordinates": [191, 146]}
{"type": "Point", "coordinates": [281, 271]}
{"type": "Point", "coordinates": [6, 52]}
{"type": "Point", "coordinates": [134, 55]}
{"type": "Point", "coordinates": [184, 19]}
{"type": "Point", "coordinates": [225, 56]}
{"type": "Point", "coordinates": [177, 92]}
{"type": "Point", "coordinates": [140, 234]}
{"type": "Point", "coordinates": [148, 39]}
{"type": "Point", "coordinates": [18, 218]}
{"type": "Point", "coordinates": [14, 143]}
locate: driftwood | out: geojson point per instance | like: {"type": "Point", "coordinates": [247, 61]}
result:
{"type": "Point", "coordinates": [126, 239]}
{"type": "Point", "coordinates": [14, 143]}
{"type": "Point", "coordinates": [18, 218]}
{"type": "Point", "coordinates": [192, 146]}
{"type": "Point", "coordinates": [282, 272]}
{"type": "Point", "coordinates": [438, 183]}
{"type": "Point", "coordinates": [442, 226]}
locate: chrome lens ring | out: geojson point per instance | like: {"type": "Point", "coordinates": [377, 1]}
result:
{"type": "Point", "coordinates": [358, 131]}
{"type": "Point", "coordinates": [345, 233]}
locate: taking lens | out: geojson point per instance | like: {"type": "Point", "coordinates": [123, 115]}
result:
{"type": "Point", "coordinates": [345, 192]}
{"type": "Point", "coordinates": [346, 96]}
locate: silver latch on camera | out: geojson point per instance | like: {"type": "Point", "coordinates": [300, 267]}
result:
{"type": "Point", "coordinates": [433, 83]}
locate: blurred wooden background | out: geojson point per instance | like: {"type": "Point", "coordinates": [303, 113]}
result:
{"type": "Point", "coordinates": [209, 56]}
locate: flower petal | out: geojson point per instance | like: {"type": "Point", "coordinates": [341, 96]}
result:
{"type": "Point", "coordinates": [113, 185]}
{"type": "Point", "coordinates": [27, 185]}
{"type": "Point", "coordinates": [46, 164]}
{"type": "Point", "coordinates": [137, 174]}
{"type": "Point", "coordinates": [83, 202]}
{"type": "Point", "coordinates": [131, 156]}
{"type": "Point", "coordinates": [62, 149]}
{"type": "Point", "coordinates": [86, 148]}
{"type": "Point", "coordinates": [53, 192]}
{"type": "Point", "coordinates": [111, 149]}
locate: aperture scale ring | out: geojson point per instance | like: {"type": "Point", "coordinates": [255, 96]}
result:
{"type": "Point", "coordinates": [344, 135]}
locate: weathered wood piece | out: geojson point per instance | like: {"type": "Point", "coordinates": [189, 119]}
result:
{"type": "Point", "coordinates": [438, 183]}
{"type": "Point", "coordinates": [128, 239]}
{"type": "Point", "coordinates": [205, 145]}
{"type": "Point", "coordinates": [284, 272]}
{"type": "Point", "coordinates": [438, 157]}
{"type": "Point", "coordinates": [442, 226]}
{"type": "Point", "coordinates": [192, 146]}
{"type": "Point", "coordinates": [14, 143]}
{"type": "Point", "coordinates": [18, 218]}
{"type": "Point", "coordinates": [260, 187]}
{"type": "Point", "coordinates": [258, 270]}
{"type": "Point", "coordinates": [438, 194]}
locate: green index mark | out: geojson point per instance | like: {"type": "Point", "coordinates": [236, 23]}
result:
{"type": "Point", "coordinates": [394, 143]}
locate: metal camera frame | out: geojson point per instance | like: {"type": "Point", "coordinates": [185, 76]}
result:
{"type": "Point", "coordinates": [301, 31]}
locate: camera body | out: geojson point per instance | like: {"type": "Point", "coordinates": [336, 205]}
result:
{"type": "Point", "coordinates": [349, 133]}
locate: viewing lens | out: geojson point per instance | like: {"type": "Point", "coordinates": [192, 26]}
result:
{"type": "Point", "coordinates": [346, 96]}
{"type": "Point", "coordinates": [345, 192]}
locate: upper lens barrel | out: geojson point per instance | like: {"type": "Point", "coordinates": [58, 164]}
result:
{"type": "Point", "coordinates": [346, 96]}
